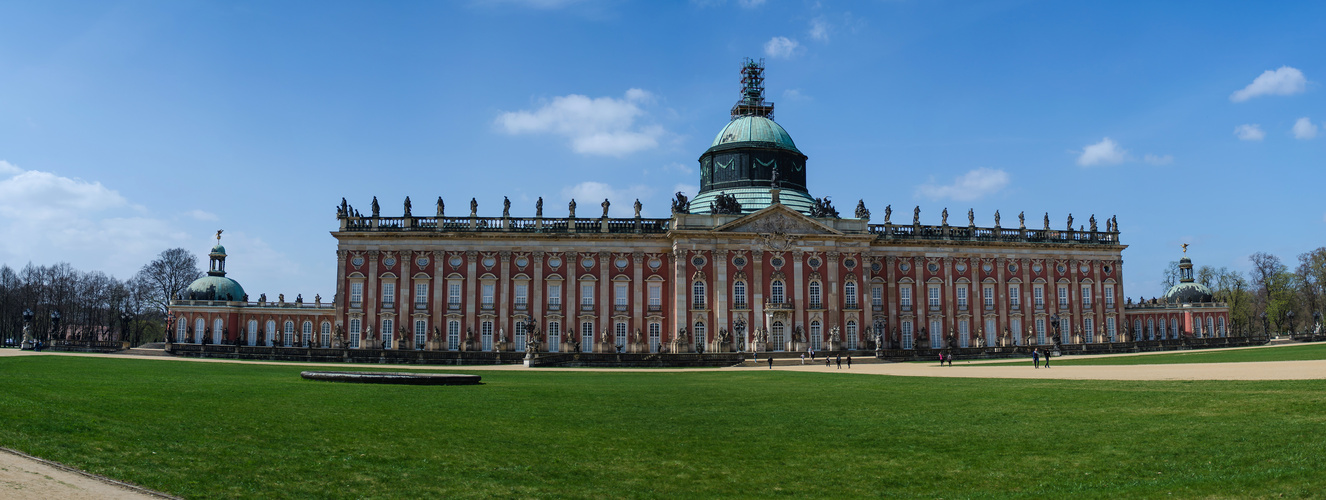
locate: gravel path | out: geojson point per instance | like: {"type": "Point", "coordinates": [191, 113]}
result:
{"type": "Point", "coordinates": [26, 477]}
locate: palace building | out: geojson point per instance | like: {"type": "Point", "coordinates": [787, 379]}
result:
{"type": "Point", "coordinates": [753, 263]}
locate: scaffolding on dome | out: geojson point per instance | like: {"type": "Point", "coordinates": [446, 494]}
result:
{"type": "Point", "coordinates": [752, 101]}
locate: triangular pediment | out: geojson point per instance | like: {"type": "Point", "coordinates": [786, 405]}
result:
{"type": "Point", "coordinates": [776, 219]}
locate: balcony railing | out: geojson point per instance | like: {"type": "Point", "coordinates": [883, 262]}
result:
{"type": "Point", "coordinates": [505, 224]}
{"type": "Point", "coordinates": [487, 306]}
{"type": "Point", "coordinates": [699, 304]}
{"type": "Point", "coordinates": [356, 304]}
{"type": "Point", "coordinates": [739, 305]}
{"type": "Point", "coordinates": [554, 306]}
{"type": "Point", "coordinates": [619, 307]}
{"type": "Point", "coordinates": [421, 305]}
{"type": "Point", "coordinates": [778, 306]}
{"type": "Point", "coordinates": [906, 308]}
{"type": "Point", "coordinates": [586, 307]}
{"type": "Point", "coordinates": [388, 305]}
{"type": "Point", "coordinates": [934, 307]}
{"type": "Point", "coordinates": [654, 308]}
{"type": "Point", "coordinates": [967, 233]}
{"type": "Point", "coordinates": [453, 305]}
{"type": "Point", "coordinates": [815, 305]}
{"type": "Point", "coordinates": [852, 305]}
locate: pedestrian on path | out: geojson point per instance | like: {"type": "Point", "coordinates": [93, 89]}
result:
{"type": "Point", "coordinates": [941, 358]}
{"type": "Point", "coordinates": [840, 361]}
{"type": "Point", "coordinates": [950, 359]}
{"type": "Point", "coordinates": [770, 362]}
{"type": "Point", "coordinates": [1047, 358]}
{"type": "Point", "coordinates": [803, 358]}
{"type": "Point", "coordinates": [827, 361]}
{"type": "Point", "coordinates": [1036, 358]}
{"type": "Point", "coordinates": [849, 362]}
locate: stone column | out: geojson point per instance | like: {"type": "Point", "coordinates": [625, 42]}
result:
{"type": "Point", "coordinates": [503, 323]}
{"type": "Point", "coordinates": [340, 300]}
{"type": "Point", "coordinates": [720, 287]}
{"type": "Point", "coordinates": [679, 284]}
{"type": "Point", "coordinates": [471, 284]}
{"type": "Point", "coordinates": [638, 286]}
{"type": "Point", "coordinates": [605, 296]}
{"type": "Point", "coordinates": [537, 305]}
{"type": "Point", "coordinates": [798, 291]}
{"type": "Point", "coordinates": [832, 297]}
{"type": "Point", "coordinates": [371, 303]}
{"type": "Point", "coordinates": [756, 292]}
{"type": "Point", "coordinates": [437, 323]}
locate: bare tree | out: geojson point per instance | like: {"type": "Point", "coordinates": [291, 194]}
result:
{"type": "Point", "coordinates": [168, 274]}
{"type": "Point", "coordinates": [1171, 276]}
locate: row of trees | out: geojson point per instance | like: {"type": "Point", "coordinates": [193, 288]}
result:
{"type": "Point", "coordinates": [93, 305]}
{"type": "Point", "coordinates": [1271, 297]}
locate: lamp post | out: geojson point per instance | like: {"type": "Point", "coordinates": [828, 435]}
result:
{"type": "Point", "coordinates": [1290, 315]}
{"type": "Point", "coordinates": [126, 318]}
{"type": "Point", "coordinates": [55, 324]}
{"type": "Point", "coordinates": [27, 330]}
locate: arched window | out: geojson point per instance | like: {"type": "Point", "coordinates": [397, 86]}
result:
{"type": "Point", "coordinates": [388, 333]}
{"type": "Point", "coordinates": [1221, 323]}
{"type": "Point", "coordinates": [697, 295]}
{"type": "Point", "coordinates": [587, 336]}
{"type": "Point", "coordinates": [1088, 331]}
{"type": "Point", "coordinates": [289, 338]}
{"type": "Point", "coordinates": [486, 335]}
{"type": "Point", "coordinates": [776, 291]}
{"type": "Point", "coordinates": [199, 329]}
{"type": "Point", "coordinates": [991, 335]}
{"type": "Point", "coordinates": [218, 328]}
{"type": "Point", "coordinates": [621, 335]}
{"type": "Point", "coordinates": [252, 332]}
{"type": "Point", "coordinates": [554, 336]}
{"type": "Point", "coordinates": [739, 295]}
{"type": "Point", "coordinates": [326, 334]}
{"type": "Point", "coordinates": [816, 301]}
{"type": "Point", "coordinates": [1174, 327]}
{"type": "Point", "coordinates": [700, 337]}
{"type": "Point", "coordinates": [936, 334]}
{"type": "Point", "coordinates": [355, 332]}
{"type": "Point", "coordinates": [907, 338]}
{"type": "Point", "coordinates": [453, 335]}
{"type": "Point", "coordinates": [517, 337]}
{"type": "Point", "coordinates": [421, 334]}
{"type": "Point", "coordinates": [306, 339]}
{"type": "Point", "coordinates": [1162, 329]}
{"type": "Point", "coordinates": [1040, 330]}
{"type": "Point", "coordinates": [181, 329]}
{"type": "Point", "coordinates": [655, 337]}
{"type": "Point", "coordinates": [851, 335]}
{"type": "Point", "coordinates": [776, 337]}
{"type": "Point", "coordinates": [1151, 328]}
{"type": "Point", "coordinates": [816, 335]}
{"type": "Point", "coordinates": [849, 294]}
{"type": "Point", "coordinates": [1137, 330]}
{"type": "Point", "coordinates": [964, 333]}
{"type": "Point", "coordinates": [1111, 330]}
{"type": "Point", "coordinates": [269, 338]}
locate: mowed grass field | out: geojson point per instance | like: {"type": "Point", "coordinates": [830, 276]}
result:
{"type": "Point", "coordinates": [212, 430]}
{"type": "Point", "coordinates": [1303, 352]}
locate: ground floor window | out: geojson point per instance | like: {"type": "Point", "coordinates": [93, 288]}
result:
{"type": "Point", "coordinates": [486, 335]}
{"type": "Point", "coordinates": [554, 336]}
{"type": "Point", "coordinates": [776, 337]}
{"type": "Point", "coordinates": [816, 335]}
{"type": "Point", "coordinates": [936, 334]}
{"type": "Point", "coordinates": [655, 337]}
{"type": "Point", "coordinates": [991, 336]}
{"type": "Point", "coordinates": [1088, 332]}
{"type": "Point", "coordinates": [519, 336]}
{"type": "Point", "coordinates": [270, 337]}
{"type": "Point", "coordinates": [700, 336]}
{"type": "Point", "coordinates": [1221, 323]}
{"type": "Point", "coordinates": [621, 335]}
{"type": "Point", "coordinates": [1111, 330]}
{"type": "Point", "coordinates": [252, 334]}
{"type": "Point", "coordinates": [181, 329]}
{"type": "Point", "coordinates": [420, 333]}
{"type": "Point", "coordinates": [199, 328]}
{"type": "Point", "coordinates": [964, 333]}
{"type": "Point", "coordinates": [218, 327]}
{"type": "Point", "coordinates": [587, 336]}
{"type": "Point", "coordinates": [354, 333]}
{"type": "Point", "coordinates": [453, 335]}
{"type": "Point", "coordinates": [851, 335]}
{"type": "Point", "coordinates": [326, 334]}
{"type": "Point", "coordinates": [388, 333]}
{"type": "Point", "coordinates": [1174, 327]}
{"type": "Point", "coordinates": [907, 334]}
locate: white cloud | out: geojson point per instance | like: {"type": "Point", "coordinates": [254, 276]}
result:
{"type": "Point", "coordinates": [1283, 81]}
{"type": "Point", "coordinates": [1304, 129]}
{"type": "Point", "coordinates": [590, 194]}
{"type": "Point", "coordinates": [202, 215]}
{"type": "Point", "coordinates": [781, 47]}
{"type": "Point", "coordinates": [750, 4]}
{"type": "Point", "coordinates": [1249, 132]}
{"type": "Point", "coordinates": [1157, 159]}
{"type": "Point", "coordinates": [51, 218]}
{"type": "Point", "coordinates": [1105, 152]}
{"type": "Point", "coordinates": [679, 167]}
{"type": "Point", "coordinates": [819, 29]}
{"type": "Point", "coordinates": [795, 95]}
{"type": "Point", "coordinates": [972, 185]}
{"type": "Point", "coordinates": [594, 126]}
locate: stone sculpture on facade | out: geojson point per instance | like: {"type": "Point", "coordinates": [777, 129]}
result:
{"type": "Point", "coordinates": [474, 207]}
{"type": "Point", "coordinates": [605, 206]}
{"type": "Point", "coordinates": [637, 207]}
{"type": "Point", "coordinates": [407, 207]}
{"type": "Point", "coordinates": [1070, 222]}
{"type": "Point", "coordinates": [376, 208]}
{"type": "Point", "coordinates": [538, 207]}
{"type": "Point", "coordinates": [571, 208]}
{"type": "Point", "coordinates": [916, 215]}
{"type": "Point", "coordinates": [441, 208]}
{"type": "Point", "coordinates": [506, 207]}
{"type": "Point", "coordinates": [888, 213]}
{"type": "Point", "coordinates": [1093, 222]}
{"type": "Point", "coordinates": [823, 208]}
{"type": "Point", "coordinates": [1047, 221]}
{"type": "Point", "coordinates": [681, 204]}
{"type": "Point", "coordinates": [971, 217]}
{"type": "Point", "coordinates": [943, 217]}
{"type": "Point", "coordinates": [725, 204]}
{"type": "Point", "coordinates": [862, 212]}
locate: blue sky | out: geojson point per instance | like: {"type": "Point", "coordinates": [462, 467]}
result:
{"type": "Point", "coordinates": [131, 127]}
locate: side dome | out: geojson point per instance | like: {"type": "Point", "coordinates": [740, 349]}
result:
{"type": "Point", "coordinates": [214, 288]}
{"type": "Point", "coordinates": [755, 129]}
{"type": "Point", "coordinates": [1188, 293]}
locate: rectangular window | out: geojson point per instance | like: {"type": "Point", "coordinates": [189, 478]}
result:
{"type": "Point", "coordinates": [849, 294]}
{"type": "Point", "coordinates": [964, 333]}
{"type": "Point", "coordinates": [619, 296]}
{"type": "Point", "coordinates": [739, 295]}
{"type": "Point", "coordinates": [554, 296]}
{"type": "Point", "coordinates": [1110, 329]}
{"type": "Point", "coordinates": [354, 333]}
{"type": "Point", "coordinates": [586, 295]}
{"type": "Point", "coordinates": [1038, 296]}
{"type": "Point", "coordinates": [388, 295]}
{"type": "Point", "coordinates": [486, 335]}
{"type": "Point", "coordinates": [1088, 332]}
{"type": "Point", "coordinates": [453, 295]}
{"type": "Point", "coordinates": [1014, 296]}
{"type": "Point", "coordinates": [934, 297]}
{"type": "Point", "coordinates": [655, 337]}
{"type": "Point", "coordinates": [518, 336]}
{"type": "Point", "coordinates": [1063, 296]}
{"type": "Point", "coordinates": [962, 297]}
{"type": "Point", "coordinates": [877, 296]}
{"type": "Point", "coordinates": [907, 334]}
{"type": "Point", "coordinates": [905, 297]}
{"type": "Point", "coordinates": [1109, 296]}
{"type": "Point", "coordinates": [420, 333]}
{"type": "Point", "coordinates": [522, 295]}
{"type": "Point", "coordinates": [356, 294]}
{"type": "Point", "coordinates": [1086, 296]}
{"type": "Point", "coordinates": [587, 336]}
{"type": "Point", "coordinates": [554, 336]}
{"type": "Point", "coordinates": [420, 295]}
{"type": "Point", "coordinates": [388, 329]}
{"type": "Point", "coordinates": [487, 297]}
{"type": "Point", "coordinates": [1040, 330]}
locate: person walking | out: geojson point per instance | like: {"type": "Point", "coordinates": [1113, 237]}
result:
{"type": "Point", "coordinates": [1036, 358]}
{"type": "Point", "coordinates": [840, 361]}
{"type": "Point", "coordinates": [803, 358]}
{"type": "Point", "coordinates": [827, 361]}
{"type": "Point", "coordinates": [1047, 358]}
{"type": "Point", "coordinates": [849, 362]}
{"type": "Point", "coordinates": [941, 358]}
{"type": "Point", "coordinates": [770, 362]}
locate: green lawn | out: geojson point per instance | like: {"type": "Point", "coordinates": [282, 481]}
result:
{"type": "Point", "coordinates": [205, 430]}
{"type": "Point", "coordinates": [1286, 353]}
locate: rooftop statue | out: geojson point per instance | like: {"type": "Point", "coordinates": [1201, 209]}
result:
{"type": "Point", "coordinates": [916, 215]}
{"type": "Point", "coordinates": [605, 206]}
{"type": "Point", "coordinates": [637, 207]}
{"type": "Point", "coordinates": [1070, 222]}
{"type": "Point", "coordinates": [1093, 223]}
{"type": "Point", "coordinates": [943, 217]}
{"type": "Point", "coordinates": [474, 207]}
{"type": "Point", "coordinates": [441, 207]}
{"type": "Point", "coordinates": [1047, 221]}
{"type": "Point", "coordinates": [1022, 220]}
{"type": "Point", "coordinates": [376, 208]}
{"type": "Point", "coordinates": [680, 204]}
{"type": "Point", "coordinates": [888, 213]}
{"type": "Point", "coordinates": [861, 211]}
{"type": "Point", "coordinates": [996, 218]}
{"type": "Point", "coordinates": [538, 207]}
{"type": "Point", "coordinates": [407, 207]}
{"type": "Point", "coordinates": [506, 207]}
{"type": "Point", "coordinates": [344, 209]}
{"type": "Point", "coordinates": [971, 217]}
{"type": "Point", "coordinates": [572, 208]}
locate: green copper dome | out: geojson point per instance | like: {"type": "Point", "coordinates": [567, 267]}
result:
{"type": "Point", "coordinates": [754, 129]}
{"type": "Point", "coordinates": [218, 250]}
{"type": "Point", "coordinates": [214, 288]}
